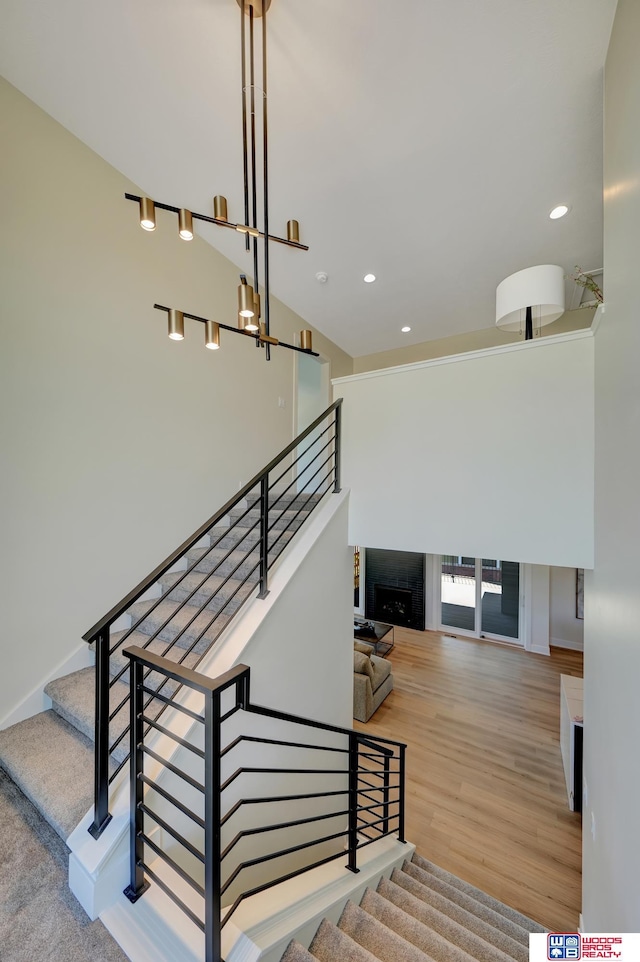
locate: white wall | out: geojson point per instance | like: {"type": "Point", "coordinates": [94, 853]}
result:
{"type": "Point", "coordinates": [611, 884]}
{"type": "Point", "coordinates": [565, 629]}
{"type": "Point", "coordinates": [486, 454]}
{"type": "Point", "coordinates": [116, 442]}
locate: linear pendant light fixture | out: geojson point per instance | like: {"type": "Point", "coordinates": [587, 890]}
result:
{"type": "Point", "coordinates": [251, 321]}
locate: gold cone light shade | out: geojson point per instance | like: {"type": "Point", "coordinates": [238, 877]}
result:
{"type": "Point", "coordinates": [293, 231]}
{"type": "Point", "coordinates": [252, 323]}
{"type": "Point", "coordinates": [176, 325]}
{"type": "Point", "coordinates": [212, 335]}
{"type": "Point", "coordinates": [147, 214]}
{"type": "Point", "coordinates": [220, 208]}
{"type": "Point", "coordinates": [245, 300]}
{"type": "Point", "coordinates": [306, 340]}
{"type": "Point", "coordinates": [185, 224]}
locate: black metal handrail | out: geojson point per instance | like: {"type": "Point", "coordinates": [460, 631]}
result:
{"type": "Point", "coordinates": [200, 609]}
{"type": "Point", "coordinates": [371, 800]}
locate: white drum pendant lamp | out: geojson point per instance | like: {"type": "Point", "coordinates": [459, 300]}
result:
{"type": "Point", "coordinates": [535, 288]}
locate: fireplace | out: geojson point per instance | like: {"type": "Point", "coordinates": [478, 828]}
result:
{"type": "Point", "coordinates": [393, 605]}
{"type": "Point", "coordinates": [394, 587]}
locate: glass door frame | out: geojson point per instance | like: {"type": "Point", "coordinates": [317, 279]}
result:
{"type": "Point", "coordinates": [478, 632]}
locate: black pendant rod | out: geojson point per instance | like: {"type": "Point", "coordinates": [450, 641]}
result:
{"type": "Point", "coordinates": [245, 156]}
{"type": "Point", "coordinates": [528, 330]}
{"type": "Point", "coordinates": [265, 172]}
{"type": "Point", "coordinates": [254, 185]}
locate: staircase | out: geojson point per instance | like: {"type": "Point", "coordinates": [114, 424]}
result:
{"type": "Point", "coordinates": [50, 756]}
{"type": "Point", "coordinates": [421, 914]}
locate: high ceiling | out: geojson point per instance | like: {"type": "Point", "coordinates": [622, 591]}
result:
{"type": "Point", "coordinates": [425, 141]}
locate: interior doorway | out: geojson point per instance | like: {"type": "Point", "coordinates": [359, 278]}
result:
{"type": "Point", "coordinates": [481, 597]}
{"type": "Point", "coordinates": [312, 397]}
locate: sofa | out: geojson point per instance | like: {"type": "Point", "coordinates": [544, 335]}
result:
{"type": "Point", "coordinates": [372, 681]}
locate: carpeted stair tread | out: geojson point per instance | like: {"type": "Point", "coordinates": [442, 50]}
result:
{"type": "Point", "coordinates": [279, 518]}
{"type": "Point", "coordinates": [331, 944]}
{"type": "Point", "coordinates": [466, 902]}
{"type": "Point", "coordinates": [52, 764]}
{"type": "Point", "coordinates": [517, 917]}
{"type": "Point", "coordinates": [186, 625]}
{"type": "Point", "coordinates": [238, 562]}
{"type": "Point", "coordinates": [241, 539]}
{"type": "Point", "coordinates": [73, 698]}
{"type": "Point", "coordinates": [296, 953]}
{"type": "Point", "coordinates": [411, 929]}
{"type": "Point", "coordinates": [376, 938]}
{"type": "Point", "coordinates": [198, 587]}
{"type": "Point", "coordinates": [450, 921]}
{"type": "Point", "coordinates": [118, 660]}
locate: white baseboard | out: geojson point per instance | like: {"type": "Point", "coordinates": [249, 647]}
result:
{"type": "Point", "coordinates": [539, 649]}
{"type": "Point", "coordinates": [36, 701]}
{"type": "Point", "coordinates": [566, 643]}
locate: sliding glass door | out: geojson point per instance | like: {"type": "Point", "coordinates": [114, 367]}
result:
{"type": "Point", "coordinates": [458, 592]}
{"type": "Point", "coordinates": [480, 597]}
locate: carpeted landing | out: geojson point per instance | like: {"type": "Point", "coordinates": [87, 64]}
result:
{"type": "Point", "coordinates": [40, 920]}
{"type": "Point", "coordinates": [421, 914]}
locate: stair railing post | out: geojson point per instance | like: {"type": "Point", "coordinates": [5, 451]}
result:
{"type": "Point", "coordinates": [386, 781]}
{"type": "Point", "coordinates": [337, 452]}
{"type": "Point", "coordinates": [401, 838]}
{"type": "Point", "coordinates": [137, 885]}
{"type": "Point", "coordinates": [352, 864]}
{"type": "Point", "coordinates": [212, 833]}
{"type": "Point", "coordinates": [264, 536]}
{"type": "Point", "coordinates": [101, 815]}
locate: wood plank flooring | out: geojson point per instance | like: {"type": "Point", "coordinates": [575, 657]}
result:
{"type": "Point", "coordinates": [486, 795]}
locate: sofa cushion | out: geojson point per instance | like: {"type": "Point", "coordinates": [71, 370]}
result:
{"type": "Point", "coordinates": [381, 671]}
{"type": "Point", "coordinates": [363, 666]}
{"type": "Point", "coordinates": [365, 649]}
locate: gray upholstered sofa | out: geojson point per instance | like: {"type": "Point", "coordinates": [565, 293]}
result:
{"type": "Point", "coordinates": [372, 682]}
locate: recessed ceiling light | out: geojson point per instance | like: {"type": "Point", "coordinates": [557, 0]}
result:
{"type": "Point", "coordinates": [405, 330]}
{"type": "Point", "coordinates": [369, 278]}
{"type": "Point", "coordinates": [559, 211]}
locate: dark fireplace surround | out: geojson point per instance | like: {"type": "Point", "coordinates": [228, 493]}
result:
{"type": "Point", "coordinates": [394, 587]}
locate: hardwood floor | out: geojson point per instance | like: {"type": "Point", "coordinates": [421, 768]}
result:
{"type": "Point", "coordinates": [486, 795]}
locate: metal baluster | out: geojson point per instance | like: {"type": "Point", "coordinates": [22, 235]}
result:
{"type": "Point", "coordinates": [212, 834]}
{"type": "Point", "coordinates": [352, 864]}
{"type": "Point", "coordinates": [401, 838]}
{"type": "Point", "coordinates": [385, 793]}
{"type": "Point", "coordinates": [264, 536]}
{"type": "Point", "coordinates": [138, 885]}
{"type": "Point", "coordinates": [336, 486]}
{"type": "Point", "coordinates": [101, 815]}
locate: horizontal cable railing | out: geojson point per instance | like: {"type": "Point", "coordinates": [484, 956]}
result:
{"type": "Point", "coordinates": [199, 588]}
{"type": "Point", "coordinates": [207, 802]}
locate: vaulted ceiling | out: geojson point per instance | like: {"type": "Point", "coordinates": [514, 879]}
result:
{"type": "Point", "coordinates": [425, 141]}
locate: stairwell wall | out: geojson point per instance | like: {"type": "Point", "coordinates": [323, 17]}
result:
{"type": "Point", "coordinates": [116, 442]}
{"type": "Point", "coordinates": [611, 839]}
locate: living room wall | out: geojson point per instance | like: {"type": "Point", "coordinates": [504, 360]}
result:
{"type": "Point", "coordinates": [488, 454]}
{"type": "Point", "coordinates": [117, 442]}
